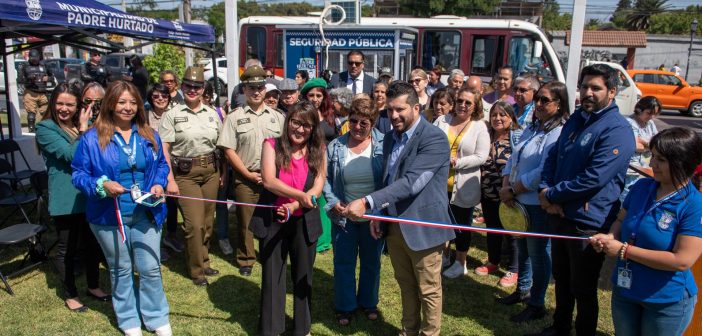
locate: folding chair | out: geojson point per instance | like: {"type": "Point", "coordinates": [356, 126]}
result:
{"type": "Point", "coordinates": [8, 147]}
{"type": "Point", "coordinates": [18, 199]}
{"type": "Point", "coordinates": [20, 233]}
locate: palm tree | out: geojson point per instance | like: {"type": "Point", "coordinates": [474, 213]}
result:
{"type": "Point", "coordinates": [640, 17]}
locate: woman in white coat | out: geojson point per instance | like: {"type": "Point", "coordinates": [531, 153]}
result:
{"type": "Point", "coordinates": [470, 145]}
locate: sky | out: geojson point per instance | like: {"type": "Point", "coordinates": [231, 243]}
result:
{"type": "Point", "coordinates": [597, 9]}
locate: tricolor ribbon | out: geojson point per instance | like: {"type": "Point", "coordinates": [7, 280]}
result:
{"type": "Point", "coordinates": [287, 211]}
{"type": "Point", "coordinates": [469, 228]}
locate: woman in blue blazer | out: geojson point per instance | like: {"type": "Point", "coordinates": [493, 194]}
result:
{"type": "Point", "coordinates": [117, 161]}
{"type": "Point", "coordinates": [57, 137]}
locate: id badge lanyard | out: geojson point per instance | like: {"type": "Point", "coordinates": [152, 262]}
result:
{"type": "Point", "coordinates": [131, 161]}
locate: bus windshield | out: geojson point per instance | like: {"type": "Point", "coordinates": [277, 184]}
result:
{"type": "Point", "coordinates": [522, 59]}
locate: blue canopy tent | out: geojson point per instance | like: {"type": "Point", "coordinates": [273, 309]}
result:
{"type": "Point", "coordinates": [68, 22]}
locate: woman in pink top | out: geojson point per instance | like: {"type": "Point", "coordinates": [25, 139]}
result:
{"type": "Point", "coordinates": [293, 169]}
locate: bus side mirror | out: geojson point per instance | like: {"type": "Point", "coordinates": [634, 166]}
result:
{"type": "Point", "coordinates": [538, 49]}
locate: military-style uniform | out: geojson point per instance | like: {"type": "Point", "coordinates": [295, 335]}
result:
{"type": "Point", "coordinates": [244, 131]}
{"type": "Point", "coordinates": [34, 98]}
{"type": "Point", "coordinates": [192, 135]}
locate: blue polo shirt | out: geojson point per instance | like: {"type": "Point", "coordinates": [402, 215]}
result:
{"type": "Point", "coordinates": [659, 228]}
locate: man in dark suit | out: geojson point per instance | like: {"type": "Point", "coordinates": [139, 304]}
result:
{"type": "Point", "coordinates": [355, 79]}
{"type": "Point", "coordinates": [416, 170]}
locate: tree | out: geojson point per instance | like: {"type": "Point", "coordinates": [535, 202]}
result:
{"type": "Point", "coordinates": [427, 8]}
{"type": "Point", "coordinates": [620, 13]}
{"type": "Point", "coordinates": [553, 19]}
{"type": "Point", "coordinates": [593, 24]}
{"type": "Point", "coordinates": [165, 57]}
{"type": "Point", "coordinates": [640, 17]}
{"type": "Point", "coordinates": [677, 22]}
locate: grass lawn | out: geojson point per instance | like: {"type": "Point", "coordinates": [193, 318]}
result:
{"type": "Point", "coordinates": [230, 305]}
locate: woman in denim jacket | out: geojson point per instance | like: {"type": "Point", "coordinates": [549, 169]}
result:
{"type": "Point", "coordinates": [354, 169]}
{"type": "Point", "coordinates": [117, 160]}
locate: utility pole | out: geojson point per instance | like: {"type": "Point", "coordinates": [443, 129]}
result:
{"type": "Point", "coordinates": [126, 41]}
{"type": "Point", "coordinates": [231, 44]}
{"type": "Point", "coordinates": [186, 12]}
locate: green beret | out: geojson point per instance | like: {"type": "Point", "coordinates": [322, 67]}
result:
{"type": "Point", "coordinates": [313, 83]}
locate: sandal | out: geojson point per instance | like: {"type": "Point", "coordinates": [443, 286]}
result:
{"type": "Point", "coordinates": [372, 313]}
{"type": "Point", "coordinates": [344, 318]}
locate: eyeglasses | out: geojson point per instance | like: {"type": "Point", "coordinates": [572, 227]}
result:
{"type": "Point", "coordinates": [362, 123]}
{"type": "Point", "coordinates": [270, 76]}
{"type": "Point", "coordinates": [297, 124]}
{"type": "Point", "coordinates": [159, 96]}
{"type": "Point", "coordinates": [352, 63]}
{"type": "Point", "coordinates": [416, 80]}
{"type": "Point", "coordinates": [91, 101]}
{"type": "Point", "coordinates": [522, 90]}
{"type": "Point", "coordinates": [168, 81]}
{"type": "Point", "coordinates": [464, 101]}
{"type": "Point", "coordinates": [543, 100]}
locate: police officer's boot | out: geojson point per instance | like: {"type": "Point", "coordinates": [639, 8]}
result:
{"type": "Point", "coordinates": [31, 120]}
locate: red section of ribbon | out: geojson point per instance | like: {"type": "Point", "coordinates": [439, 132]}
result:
{"type": "Point", "coordinates": [120, 223]}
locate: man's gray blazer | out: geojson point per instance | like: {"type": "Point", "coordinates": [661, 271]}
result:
{"type": "Point", "coordinates": [418, 189]}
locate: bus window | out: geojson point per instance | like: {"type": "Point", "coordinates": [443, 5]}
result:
{"type": "Point", "coordinates": [521, 59]}
{"type": "Point", "coordinates": [441, 48]}
{"type": "Point", "coordinates": [278, 50]}
{"type": "Point", "coordinates": [256, 44]}
{"type": "Point", "coordinates": [487, 55]}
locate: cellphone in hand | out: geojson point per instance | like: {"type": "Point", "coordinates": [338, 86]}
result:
{"type": "Point", "coordinates": [149, 200]}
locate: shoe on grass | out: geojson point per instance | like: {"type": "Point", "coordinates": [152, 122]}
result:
{"type": "Point", "coordinates": [225, 246]}
{"type": "Point", "coordinates": [456, 270]}
{"type": "Point", "coordinates": [486, 269]}
{"type": "Point", "coordinates": [173, 244]}
{"type": "Point", "coordinates": [509, 279]}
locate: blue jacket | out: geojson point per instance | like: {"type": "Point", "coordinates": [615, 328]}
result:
{"type": "Point", "coordinates": [586, 168]}
{"type": "Point", "coordinates": [90, 163]}
{"type": "Point", "coordinates": [418, 188]}
{"type": "Point", "coordinates": [336, 156]}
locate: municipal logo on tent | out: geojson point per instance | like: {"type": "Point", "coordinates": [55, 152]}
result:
{"type": "Point", "coordinates": [33, 9]}
{"type": "Point", "coordinates": [177, 26]}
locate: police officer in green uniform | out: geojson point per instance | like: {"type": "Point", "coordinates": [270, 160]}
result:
{"type": "Point", "coordinates": [189, 132]}
{"type": "Point", "coordinates": [242, 140]}
{"type": "Point", "coordinates": [35, 77]}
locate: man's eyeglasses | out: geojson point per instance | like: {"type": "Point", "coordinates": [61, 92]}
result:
{"type": "Point", "coordinates": [270, 76]}
{"type": "Point", "coordinates": [297, 124]}
{"type": "Point", "coordinates": [352, 63]}
{"type": "Point", "coordinates": [522, 90]}
{"type": "Point", "coordinates": [544, 100]}
{"type": "Point", "coordinates": [362, 123]}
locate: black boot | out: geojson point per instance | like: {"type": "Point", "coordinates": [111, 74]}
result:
{"type": "Point", "coordinates": [31, 121]}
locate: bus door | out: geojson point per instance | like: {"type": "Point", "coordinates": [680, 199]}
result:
{"type": "Point", "coordinates": [487, 54]}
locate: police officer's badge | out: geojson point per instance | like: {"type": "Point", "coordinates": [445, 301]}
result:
{"type": "Point", "coordinates": [665, 220]}
{"type": "Point", "coordinates": [586, 139]}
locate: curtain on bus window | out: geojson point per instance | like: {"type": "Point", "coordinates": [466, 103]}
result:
{"type": "Point", "coordinates": [519, 54]}
{"type": "Point", "coordinates": [256, 44]}
{"type": "Point", "coordinates": [441, 48]}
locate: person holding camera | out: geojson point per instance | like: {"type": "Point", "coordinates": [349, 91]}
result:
{"type": "Point", "coordinates": [189, 133]}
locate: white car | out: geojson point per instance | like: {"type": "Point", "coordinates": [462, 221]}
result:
{"type": "Point", "coordinates": [221, 73]}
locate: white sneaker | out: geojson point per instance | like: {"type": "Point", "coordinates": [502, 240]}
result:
{"type": "Point", "coordinates": [225, 246]}
{"type": "Point", "coordinates": [132, 332]}
{"type": "Point", "coordinates": [164, 330]}
{"type": "Point", "coordinates": [456, 270]}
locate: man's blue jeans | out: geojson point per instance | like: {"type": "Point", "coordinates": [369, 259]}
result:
{"type": "Point", "coordinates": [133, 302]}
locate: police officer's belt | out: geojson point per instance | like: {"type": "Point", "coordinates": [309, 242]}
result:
{"type": "Point", "coordinates": [184, 164]}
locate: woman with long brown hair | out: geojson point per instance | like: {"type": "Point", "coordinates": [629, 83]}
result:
{"type": "Point", "coordinates": [115, 163]}
{"type": "Point", "coordinates": [293, 168]}
{"type": "Point", "coordinates": [57, 137]}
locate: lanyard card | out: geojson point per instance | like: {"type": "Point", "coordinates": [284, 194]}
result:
{"type": "Point", "coordinates": [624, 277]}
{"type": "Point", "coordinates": [149, 200]}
